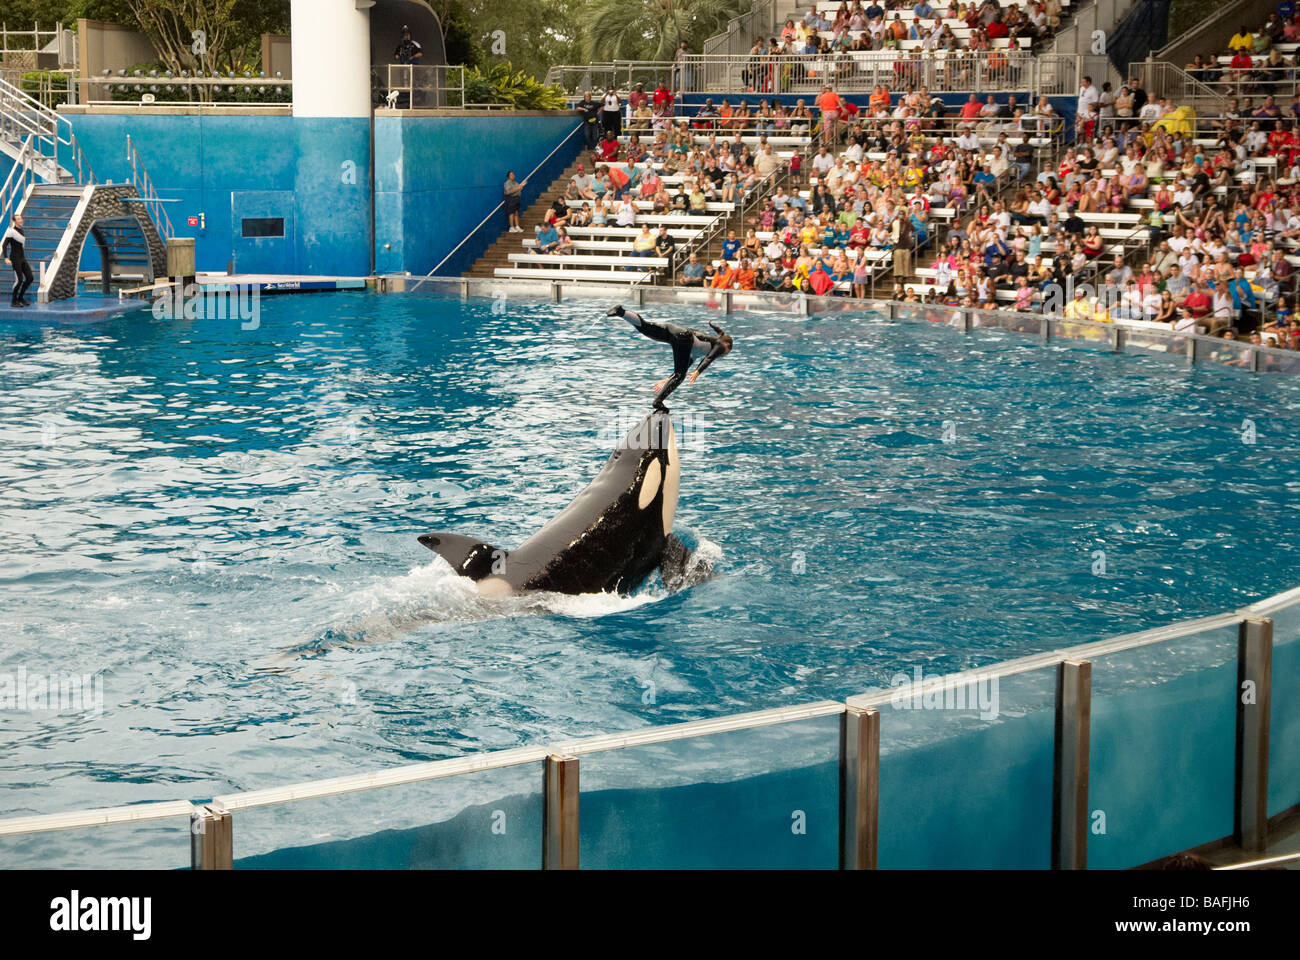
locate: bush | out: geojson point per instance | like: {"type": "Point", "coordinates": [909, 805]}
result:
{"type": "Point", "coordinates": [502, 84]}
{"type": "Point", "coordinates": [49, 86]}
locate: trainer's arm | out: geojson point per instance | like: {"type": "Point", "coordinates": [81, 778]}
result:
{"type": "Point", "coordinates": [717, 351]}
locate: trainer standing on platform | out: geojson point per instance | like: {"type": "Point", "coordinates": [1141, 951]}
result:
{"type": "Point", "coordinates": [13, 249]}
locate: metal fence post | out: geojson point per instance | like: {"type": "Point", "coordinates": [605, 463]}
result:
{"type": "Point", "coordinates": [560, 813]}
{"type": "Point", "coordinates": [859, 788]}
{"type": "Point", "coordinates": [1070, 765]}
{"type": "Point", "coordinates": [464, 288]}
{"type": "Point", "coordinates": [1045, 328]}
{"type": "Point", "coordinates": [726, 301]}
{"type": "Point", "coordinates": [1117, 340]}
{"type": "Point", "coordinates": [211, 840]}
{"type": "Point", "coordinates": [1191, 351]}
{"type": "Point", "coordinates": [556, 296]}
{"type": "Point", "coordinates": [1254, 700]}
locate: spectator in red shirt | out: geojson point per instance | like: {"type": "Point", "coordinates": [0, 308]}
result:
{"type": "Point", "coordinates": [663, 100]}
{"type": "Point", "coordinates": [608, 149]}
{"type": "Point", "coordinates": [997, 29]}
{"type": "Point", "coordinates": [970, 110]}
{"type": "Point", "coordinates": [1198, 304]}
{"type": "Point", "coordinates": [638, 98]}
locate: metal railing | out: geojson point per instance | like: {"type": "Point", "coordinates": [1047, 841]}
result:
{"type": "Point", "coordinates": [1162, 79]}
{"type": "Point", "coordinates": [760, 19]}
{"type": "Point", "coordinates": [54, 147]}
{"type": "Point", "coordinates": [497, 209]}
{"type": "Point", "coordinates": [164, 89]}
{"type": "Point", "coordinates": [849, 72]}
{"type": "Point", "coordinates": [21, 176]}
{"type": "Point", "coordinates": [211, 836]}
{"type": "Point", "coordinates": [16, 43]}
{"type": "Point", "coordinates": [419, 86]}
{"type": "Point", "coordinates": [144, 186]}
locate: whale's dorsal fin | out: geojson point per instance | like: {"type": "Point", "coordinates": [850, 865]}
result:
{"type": "Point", "coordinates": [468, 557]}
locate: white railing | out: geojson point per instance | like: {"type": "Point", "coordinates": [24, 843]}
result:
{"type": "Point", "coordinates": [15, 186]}
{"type": "Point", "coordinates": [144, 186]}
{"type": "Point", "coordinates": [849, 72]}
{"type": "Point", "coordinates": [23, 116]}
{"type": "Point", "coordinates": [434, 85]}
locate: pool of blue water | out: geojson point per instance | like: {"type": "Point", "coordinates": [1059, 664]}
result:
{"type": "Point", "coordinates": [220, 523]}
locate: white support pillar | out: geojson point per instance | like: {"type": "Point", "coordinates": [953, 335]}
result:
{"type": "Point", "coordinates": [331, 58]}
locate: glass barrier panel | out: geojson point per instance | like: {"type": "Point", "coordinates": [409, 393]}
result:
{"type": "Point", "coordinates": [1092, 335]}
{"type": "Point", "coordinates": [491, 819]}
{"type": "Point", "coordinates": [1138, 340]}
{"type": "Point", "coordinates": [966, 774]}
{"type": "Point", "coordinates": [1224, 353]}
{"type": "Point", "coordinates": [1163, 748]}
{"type": "Point", "coordinates": [1279, 361]}
{"type": "Point", "coordinates": [144, 845]}
{"type": "Point", "coordinates": [1284, 712]}
{"type": "Point", "coordinates": [761, 798]}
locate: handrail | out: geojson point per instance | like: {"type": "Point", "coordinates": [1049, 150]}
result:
{"type": "Point", "coordinates": [102, 817]}
{"type": "Point", "coordinates": [47, 127]}
{"type": "Point", "coordinates": [396, 776]}
{"type": "Point", "coordinates": [144, 186]}
{"type": "Point", "coordinates": [15, 186]}
{"type": "Point", "coordinates": [495, 209]}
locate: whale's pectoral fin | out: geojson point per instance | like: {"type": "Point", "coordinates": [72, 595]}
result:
{"type": "Point", "coordinates": [467, 556]}
{"type": "Point", "coordinates": [680, 567]}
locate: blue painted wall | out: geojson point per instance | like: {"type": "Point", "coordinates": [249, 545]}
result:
{"type": "Point", "coordinates": [436, 178]}
{"type": "Point", "coordinates": [313, 172]}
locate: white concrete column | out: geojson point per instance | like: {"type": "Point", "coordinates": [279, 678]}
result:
{"type": "Point", "coordinates": [331, 58]}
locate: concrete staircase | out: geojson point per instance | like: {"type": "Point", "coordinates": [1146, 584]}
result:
{"type": "Point", "coordinates": [498, 255]}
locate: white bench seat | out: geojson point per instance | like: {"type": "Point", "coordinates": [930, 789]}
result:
{"type": "Point", "coordinates": [588, 260]}
{"type": "Point", "coordinates": [525, 273]}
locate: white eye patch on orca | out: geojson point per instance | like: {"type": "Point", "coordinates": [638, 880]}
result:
{"type": "Point", "coordinates": [650, 485]}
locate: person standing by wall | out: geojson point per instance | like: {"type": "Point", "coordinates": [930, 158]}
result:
{"type": "Point", "coordinates": [610, 116]}
{"type": "Point", "coordinates": [511, 191]}
{"type": "Point", "coordinates": [589, 110]}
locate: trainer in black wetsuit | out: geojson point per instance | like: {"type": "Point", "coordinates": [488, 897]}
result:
{"type": "Point", "coordinates": [12, 249]}
{"type": "Point", "coordinates": [686, 344]}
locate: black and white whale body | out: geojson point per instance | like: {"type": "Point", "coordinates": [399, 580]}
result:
{"type": "Point", "coordinates": [609, 539]}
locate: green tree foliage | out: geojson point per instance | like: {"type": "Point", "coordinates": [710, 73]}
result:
{"type": "Point", "coordinates": [239, 23]}
{"type": "Point", "coordinates": [652, 29]}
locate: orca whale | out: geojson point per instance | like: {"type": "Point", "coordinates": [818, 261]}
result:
{"type": "Point", "coordinates": [613, 535]}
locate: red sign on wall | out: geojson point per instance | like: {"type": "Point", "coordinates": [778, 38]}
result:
{"type": "Point", "coordinates": [194, 221]}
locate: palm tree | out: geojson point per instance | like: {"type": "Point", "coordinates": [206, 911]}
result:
{"type": "Point", "coordinates": [652, 29]}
